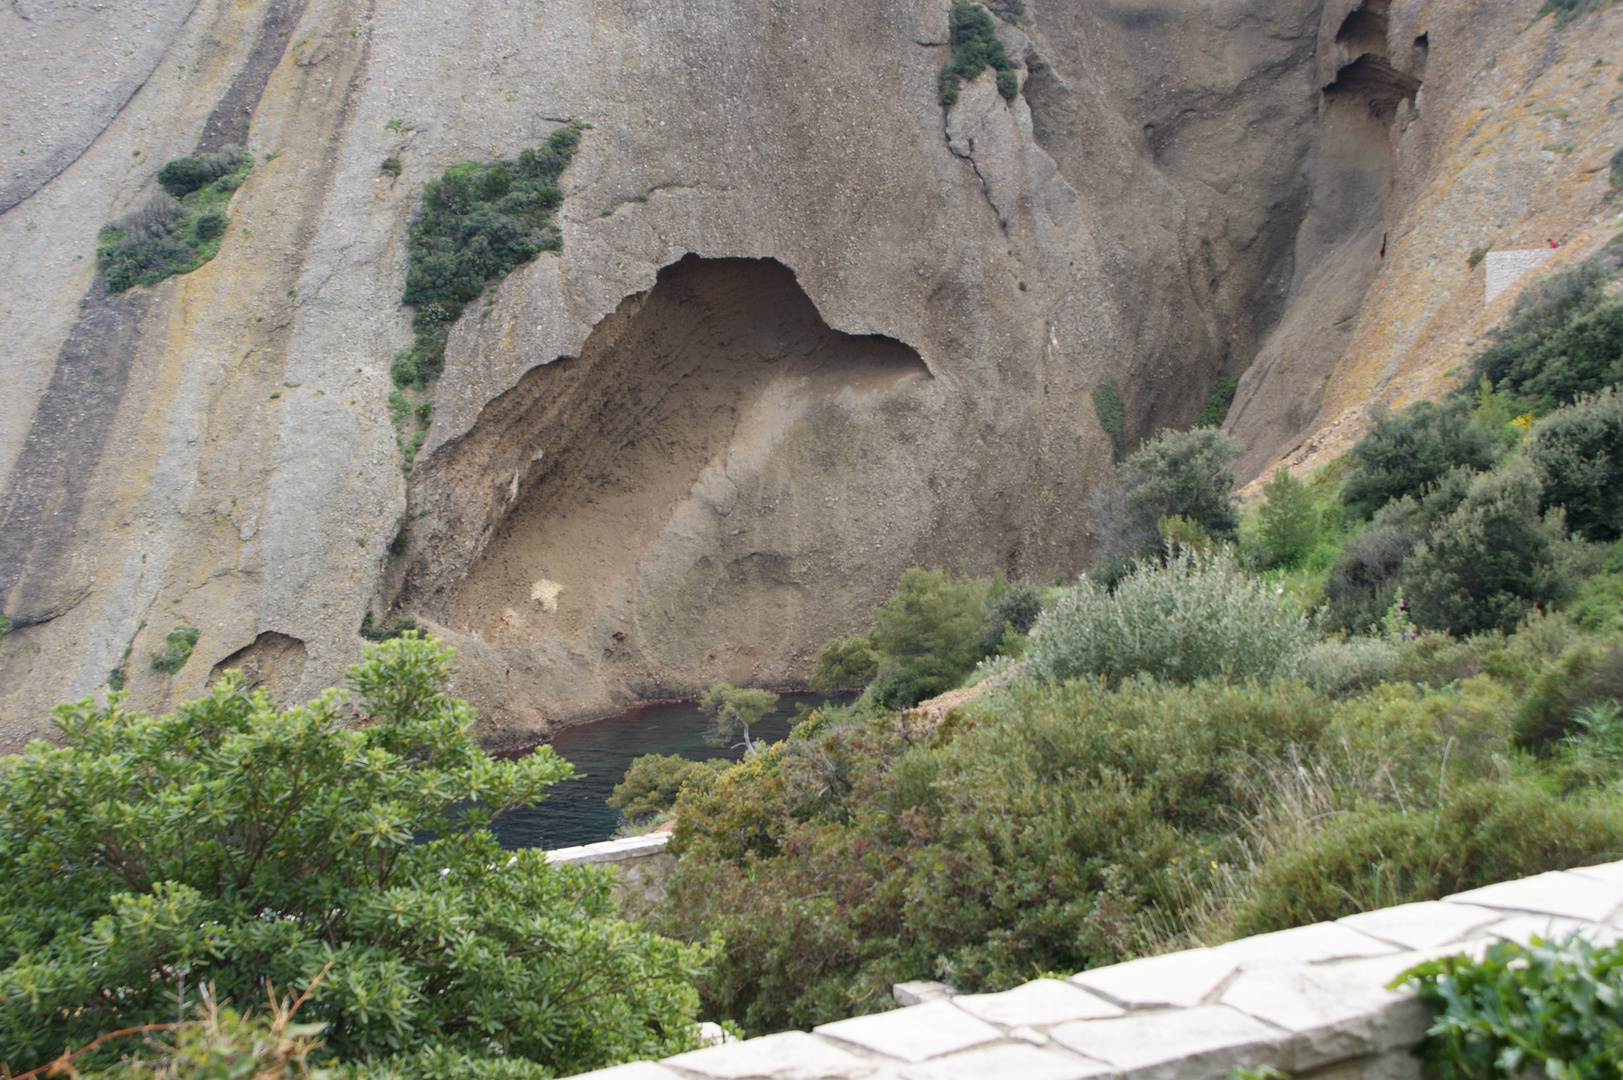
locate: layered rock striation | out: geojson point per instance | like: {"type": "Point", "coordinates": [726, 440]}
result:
{"type": "Point", "coordinates": [807, 328]}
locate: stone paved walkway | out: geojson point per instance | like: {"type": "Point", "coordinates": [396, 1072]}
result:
{"type": "Point", "coordinates": [1308, 1000]}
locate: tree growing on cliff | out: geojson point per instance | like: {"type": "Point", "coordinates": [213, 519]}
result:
{"type": "Point", "coordinates": [231, 845]}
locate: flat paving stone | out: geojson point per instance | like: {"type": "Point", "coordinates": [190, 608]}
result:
{"type": "Point", "coordinates": [1524, 928]}
{"type": "Point", "coordinates": [1306, 945]}
{"type": "Point", "coordinates": [1423, 925]}
{"type": "Point", "coordinates": [788, 1055]}
{"type": "Point", "coordinates": [637, 1070]}
{"type": "Point", "coordinates": [1612, 871]}
{"type": "Point", "coordinates": [1179, 979]}
{"type": "Point", "coordinates": [1553, 893]}
{"type": "Point", "coordinates": [1009, 1061]}
{"type": "Point", "coordinates": [1334, 1012]}
{"type": "Point", "coordinates": [1038, 1003]}
{"type": "Point", "coordinates": [1189, 1044]}
{"type": "Point", "coordinates": [914, 1034]}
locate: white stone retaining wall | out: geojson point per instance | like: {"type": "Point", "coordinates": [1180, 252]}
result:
{"type": "Point", "coordinates": [1505, 267]}
{"type": "Point", "coordinates": [1310, 1001]}
{"type": "Point", "coordinates": [639, 862]}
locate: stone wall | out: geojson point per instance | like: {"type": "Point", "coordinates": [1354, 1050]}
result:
{"type": "Point", "coordinates": [1311, 1000]}
{"type": "Point", "coordinates": [640, 863]}
{"type": "Point", "coordinates": [1505, 267]}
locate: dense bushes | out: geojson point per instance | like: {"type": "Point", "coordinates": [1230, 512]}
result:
{"type": "Point", "coordinates": [929, 634]}
{"type": "Point", "coordinates": [1195, 617]}
{"type": "Point", "coordinates": [1578, 453]}
{"type": "Point", "coordinates": [176, 230]}
{"type": "Point", "coordinates": [1492, 560]}
{"type": "Point", "coordinates": [1405, 452]}
{"type": "Point", "coordinates": [975, 47]}
{"type": "Point", "coordinates": [1564, 336]}
{"type": "Point", "coordinates": [145, 851]}
{"type": "Point", "coordinates": [1179, 474]}
{"type": "Point", "coordinates": [479, 221]}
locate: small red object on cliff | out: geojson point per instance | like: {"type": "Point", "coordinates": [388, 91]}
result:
{"type": "Point", "coordinates": [1554, 244]}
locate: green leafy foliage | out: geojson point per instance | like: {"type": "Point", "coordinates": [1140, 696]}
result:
{"type": "Point", "coordinates": [179, 643]}
{"type": "Point", "coordinates": [1567, 10]}
{"type": "Point", "coordinates": [1179, 473]}
{"type": "Point", "coordinates": [975, 47]}
{"type": "Point", "coordinates": [1382, 856]}
{"type": "Point", "coordinates": [371, 631]}
{"type": "Point", "coordinates": [653, 782]}
{"type": "Point", "coordinates": [1563, 337]}
{"type": "Point", "coordinates": [1196, 616]}
{"type": "Point", "coordinates": [1577, 452]}
{"type": "Point", "coordinates": [1290, 521]}
{"type": "Point", "coordinates": [390, 166]}
{"type": "Point", "coordinates": [1550, 1008]}
{"type": "Point", "coordinates": [929, 633]}
{"type": "Point", "coordinates": [734, 708]}
{"type": "Point", "coordinates": [235, 844]}
{"type": "Point", "coordinates": [479, 221]}
{"type": "Point", "coordinates": [176, 230]}
{"type": "Point", "coordinates": [1039, 835]}
{"type": "Point", "coordinates": [1112, 418]}
{"type": "Point", "coordinates": [844, 663]}
{"type": "Point", "coordinates": [1406, 452]}
{"type": "Point", "coordinates": [1216, 409]}
{"type": "Point", "coordinates": [1492, 560]}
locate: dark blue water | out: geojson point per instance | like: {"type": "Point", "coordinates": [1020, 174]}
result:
{"type": "Point", "coordinates": [575, 811]}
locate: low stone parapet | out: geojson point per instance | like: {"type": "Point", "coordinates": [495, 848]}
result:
{"type": "Point", "coordinates": [1308, 1000]}
{"type": "Point", "coordinates": [640, 863]}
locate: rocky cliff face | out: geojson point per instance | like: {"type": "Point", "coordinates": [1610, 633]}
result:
{"type": "Point", "coordinates": [805, 329]}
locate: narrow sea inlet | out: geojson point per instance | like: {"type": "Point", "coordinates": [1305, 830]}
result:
{"type": "Point", "coordinates": [576, 811]}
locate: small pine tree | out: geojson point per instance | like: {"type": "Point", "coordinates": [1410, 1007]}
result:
{"type": "Point", "coordinates": [735, 708]}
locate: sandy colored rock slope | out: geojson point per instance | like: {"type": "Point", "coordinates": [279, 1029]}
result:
{"type": "Point", "coordinates": [805, 331]}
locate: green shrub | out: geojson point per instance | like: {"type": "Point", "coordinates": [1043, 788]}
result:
{"type": "Point", "coordinates": [1405, 452]}
{"type": "Point", "coordinates": [1567, 10]}
{"type": "Point", "coordinates": [975, 47]}
{"type": "Point", "coordinates": [1483, 833]}
{"type": "Point", "coordinates": [653, 782]}
{"type": "Point", "coordinates": [1561, 337]}
{"type": "Point", "coordinates": [370, 848]}
{"type": "Point", "coordinates": [1587, 674]}
{"type": "Point", "coordinates": [390, 166]}
{"type": "Point", "coordinates": [1598, 607]}
{"type": "Point", "coordinates": [1112, 418]}
{"type": "Point", "coordinates": [371, 631]}
{"type": "Point", "coordinates": [1548, 1008]}
{"type": "Point", "coordinates": [1039, 835]}
{"type": "Point", "coordinates": [1578, 453]}
{"type": "Point", "coordinates": [1195, 617]}
{"type": "Point", "coordinates": [176, 230]}
{"type": "Point", "coordinates": [480, 221]}
{"type": "Point", "coordinates": [180, 641]}
{"type": "Point", "coordinates": [1493, 560]}
{"type": "Point", "coordinates": [1290, 521]}
{"type": "Point", "coordinates": [1008, 610]}
{"type": "Point", "coordinates": [928, 633]}
{"type": "Point", "coordinates": [185, 175]}
{"type": "Point", "coordinates": [1216, 409]}
{"type": "Point", "coordinates": [845, 663]}
{"type": "Point", "coordinates": [1180, 473]}
{"type": "Point", "coordinates": [1336, 667]}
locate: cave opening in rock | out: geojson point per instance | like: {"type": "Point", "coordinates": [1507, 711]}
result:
{"type": "Point", "coordinates": [586, 460]}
